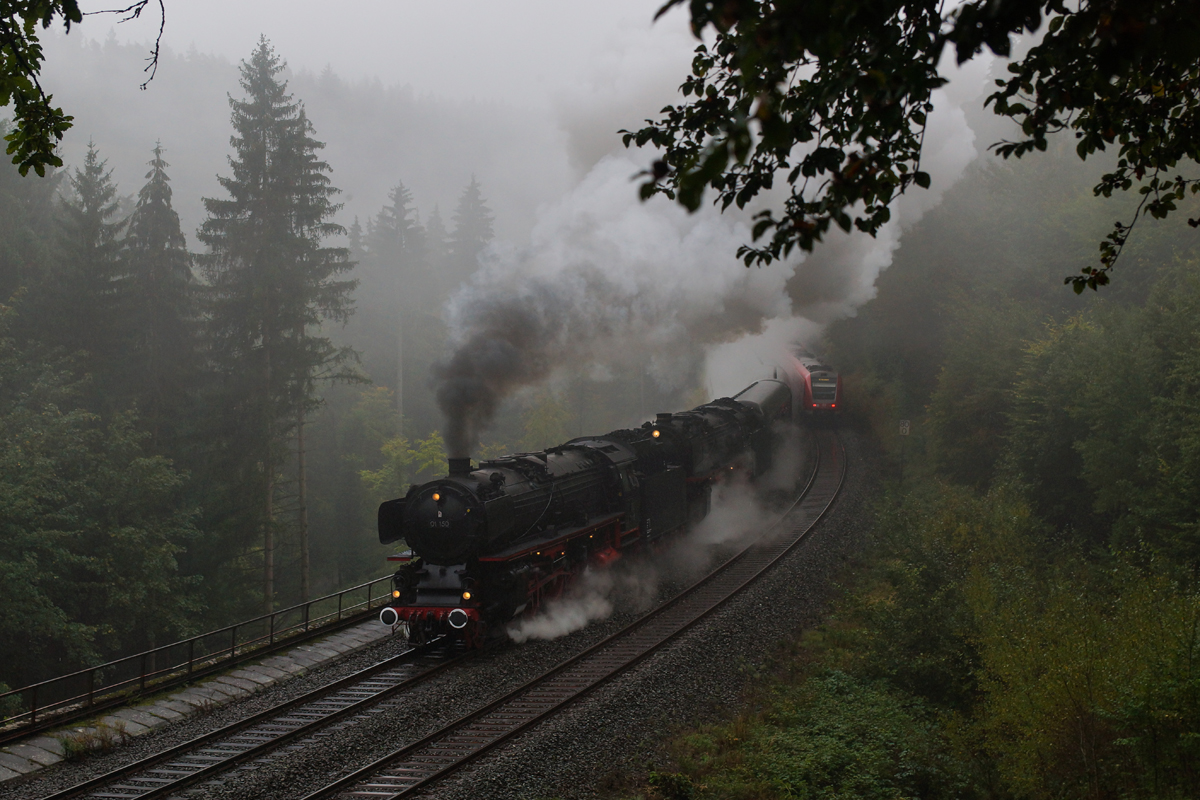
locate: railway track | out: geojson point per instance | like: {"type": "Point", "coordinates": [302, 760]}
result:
{"type": "Point", "coordinates": [436, 756]}
{"type": "Point", "coordinates": [214, 753]}
{"type": "Point", "coordinates": [421, 764]}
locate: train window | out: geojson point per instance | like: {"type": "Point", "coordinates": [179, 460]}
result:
{"type": "Point", "coordinates": [824, 389]}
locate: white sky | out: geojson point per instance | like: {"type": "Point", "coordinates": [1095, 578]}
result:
{"type": "Point", "coordinates": [520, 52]}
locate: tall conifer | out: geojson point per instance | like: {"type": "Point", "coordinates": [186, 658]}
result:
{"type": "Point", "coordinates": [161, 303]}
{"type": "Point", "coordinates": [273, 282]}
{"type": "Point", "coordinates": [397, 244]}
{"type": "Point", "coordinates": [357, 246]}
{"type": "Point", "coordinates": [437, 239]}
{"type": "Point", "coordinates": [437, 256]}
{"type": "Point", "coordinates": [27, 226]}
{"type": "Point", "coordinates": [472, 231]}
{"type": "Point", "coordinates": [87, 301]}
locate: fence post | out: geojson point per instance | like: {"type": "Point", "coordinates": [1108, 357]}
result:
{"type": "Point", "coordinates": [91, 687]}
{"type": "Point", "coordinates": [232, 642]}
{"type": "Point", "coordinates": [33, 704]}
{"type": "Point", "coordinates": [307, 609]}
{"type": "Point", "coordinates": [142, 680]}
{"type": "Point", "coordinates": [191, 654]}
{"type": "Point", "coordinates": [340, 596]}
{"type": "Point", "coordinates": [271, 638]}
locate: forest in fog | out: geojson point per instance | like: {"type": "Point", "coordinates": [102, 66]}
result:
{"type": "Point", "coordinates": [1024, 620]}
{"type": "Point", "coordinates": [218, 356]}
{"type": "Point", "coordinates": [188, 442]}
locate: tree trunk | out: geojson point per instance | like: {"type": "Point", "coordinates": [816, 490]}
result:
{"type": "Point", "coordinates": [269, 536]}
{"type": "Point", "coordinates": [400, 364]}
{"type": "Point", "coordinates": [302, 490]}
{"type": "Point", "coordinates": [269, 496]}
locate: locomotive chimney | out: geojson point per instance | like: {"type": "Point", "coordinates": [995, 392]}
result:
{"type": "Point", "coordinates": [662, 418]}
{"type": "Point", "coordinates": [460, 467]}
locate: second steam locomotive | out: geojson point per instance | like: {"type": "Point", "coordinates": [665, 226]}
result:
{"type": "Point", "coordinates": [488, 544]}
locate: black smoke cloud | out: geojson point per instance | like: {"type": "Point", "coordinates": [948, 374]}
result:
{"type": "Point", "coordinates": [605, 281]}
{"type": "Point", "coordinates": [509, 347]}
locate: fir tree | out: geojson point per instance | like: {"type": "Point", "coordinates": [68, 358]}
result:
{"type": "Point", "coordinates": [86, 303]}
{"type": "Point", "coordinates": [396, 235]}
{"type": "Point", "coordinates": [437, 254]}
{"type": "Point", "coordinates": [472, 232]}
{"type": "Point", "coordinates": [355, 235]}
{"type": "Point", "coordinates": [273, 282]}
{"type": "Point", "coordinates": [90, 526]}
{"type": "Point", "coordinates": [397, 245]}
{"type": "Point", "coordinates": [27, 219]}
{"type": "Point", "coordinates": [161, 296]}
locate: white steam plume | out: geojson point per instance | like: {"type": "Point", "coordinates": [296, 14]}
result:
{"type": "Point", "coordinates": [631, 585]}
{"type": "Point", "coordinates": [736, 516]}
{"type": "Point", "coordinates": [604, 278]}
{"type": "Point", "coordinates": [839, 276]}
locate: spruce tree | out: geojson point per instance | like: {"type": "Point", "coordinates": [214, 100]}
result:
{"type": "Point", "coordinates": [396, 237]}
{"type": "Point", "coordinates": [397, 245]}
{"type": "Point", "coordinates": [472, 232]}
{"type": "Point", "coordinates": [161, 304]}
{"type": "Point", "coordinates": [355, 235]}
{"type": "Point", "coordinates": [27, 227]}
{"type": "Point", "coordinates": [84, 311]}
{"type": "Point", "coordinates": [437, 254]}
{"type": "Point", "coordinates": [273, 281]}
{"type": "Point", "coordinates": [437, 238]}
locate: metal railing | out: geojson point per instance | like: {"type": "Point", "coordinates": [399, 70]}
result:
{"type": "Point", "coordinates": [108, 685]}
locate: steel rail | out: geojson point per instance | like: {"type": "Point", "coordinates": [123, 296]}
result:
{"type": "Point", "coordinates": [216, 752]}
{"type": "Point", "coordinates": [418, 765]}
{"type": "Point", "coordinates": [94, 693]}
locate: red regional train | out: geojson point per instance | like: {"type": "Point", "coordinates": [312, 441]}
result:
{"type": "Point", "coordinates": [816, 388]}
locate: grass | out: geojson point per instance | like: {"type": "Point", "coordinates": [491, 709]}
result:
{"type": "Point", "coordinates": [99, 738]}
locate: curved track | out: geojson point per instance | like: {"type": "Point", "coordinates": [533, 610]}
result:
{"type": "Point", "coordinates": [254, 737]}
{"type": "Point", "coordinates": [426, 761]}
{"type": "Point", "coordinates": [419, 765]}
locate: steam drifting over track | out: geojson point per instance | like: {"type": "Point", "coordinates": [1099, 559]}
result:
{"type": "Point", "coordinates": [417, 766]}
{"type": "Point", "coordinates": [310, 762]}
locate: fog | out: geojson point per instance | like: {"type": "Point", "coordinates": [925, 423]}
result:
{"type": "Point", "coordinates": [572, 308]}
{"type": "Point", "coordinates": [523, 53]}
{"type": "Point", "coordinates": [740, 513]}
{"type": "Point", "coordinates": [526, 98]}
{"type": "Point", "coordinates": [605, 281]}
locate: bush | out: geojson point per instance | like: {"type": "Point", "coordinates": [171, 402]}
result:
{"type": "Point", "coordinates": [832, 736]}
{"type": "Point", "coordinates": [672, 785]}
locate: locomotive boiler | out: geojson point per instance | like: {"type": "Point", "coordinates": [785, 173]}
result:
{"type": "Point", "coordinates": [489, 543]}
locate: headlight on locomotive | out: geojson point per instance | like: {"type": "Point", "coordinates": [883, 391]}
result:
{"type": "Point", "coordinates": [444, 524]}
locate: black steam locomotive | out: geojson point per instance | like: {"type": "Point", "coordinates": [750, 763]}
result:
{"type": "Point", "coordinates": [492, 543]}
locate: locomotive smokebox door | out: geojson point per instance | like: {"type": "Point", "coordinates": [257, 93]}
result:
{"type": "Point", "coordinates": [443, 523]}
{"type": "Point", "coordinates": [391, 520]}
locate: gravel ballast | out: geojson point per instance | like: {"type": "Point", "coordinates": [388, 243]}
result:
{"type": "Point", "coordinates": [617, 733]}
{"type": "Point", "coordinates": [615, 730]}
